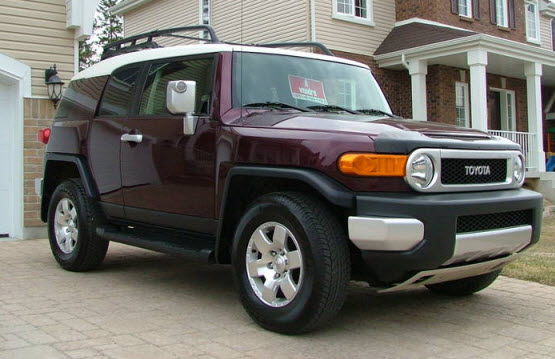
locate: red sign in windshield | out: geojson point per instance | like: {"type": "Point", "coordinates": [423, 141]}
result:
{"type": "Point", "coordinates": [307, 90]}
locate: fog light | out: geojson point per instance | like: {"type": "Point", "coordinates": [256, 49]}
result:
{"type": "Point", "coordinates": [420, 171]}
{"type": "Point", "coordinates": [518, 169]}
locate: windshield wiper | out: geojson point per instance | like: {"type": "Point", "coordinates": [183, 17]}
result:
{"type": "Point", "coordinates": [332, 108]}
{"type": "Point", "coordinates": [373, 111]}
{"type": "Point", "coordinates": [276, 105]}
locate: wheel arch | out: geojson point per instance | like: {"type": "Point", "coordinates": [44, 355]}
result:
{"type": "Point", "coordinates": [245, 183]}
{"type": "Point", "coordinates": [60, 167]}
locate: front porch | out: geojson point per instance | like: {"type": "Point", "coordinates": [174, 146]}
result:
{"type": "Point", "coordinates": [495, 85]}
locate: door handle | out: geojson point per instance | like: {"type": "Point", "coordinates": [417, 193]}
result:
{"type": "Point", "coordinates": [132, 138]}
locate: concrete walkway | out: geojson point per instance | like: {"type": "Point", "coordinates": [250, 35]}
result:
{"type": "Point", "coordinates": [141, 304]}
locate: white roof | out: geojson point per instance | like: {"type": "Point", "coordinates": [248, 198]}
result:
{"type": "Point", "coordinates": [106, 67]}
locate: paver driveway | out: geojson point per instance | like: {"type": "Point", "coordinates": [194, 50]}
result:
{"type": "Point", "coordinates": [142, 304]}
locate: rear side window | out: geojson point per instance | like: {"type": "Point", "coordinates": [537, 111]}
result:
{"type": "Point", "coordinates": [119, 92]}
{"type": "Point", "coordinates": [153, 99]}
{"type": "Point", "coordinates": [81, 98]}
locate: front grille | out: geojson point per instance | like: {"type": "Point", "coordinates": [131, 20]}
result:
{"type": "Point", "coordinates": [456, 171]}
{"type": "Point", "coordinates": [484, 222]}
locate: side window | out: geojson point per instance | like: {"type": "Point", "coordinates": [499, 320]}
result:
{"type": "Point", "coordinates": [153, 98]}
{"type": "Point", "coordinates": [119, 92]}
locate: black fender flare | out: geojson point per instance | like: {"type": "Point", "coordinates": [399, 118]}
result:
{"type": "Point", "coordinates": [330, 189]}
{"type": "Point", "coordinates": [84, 172]}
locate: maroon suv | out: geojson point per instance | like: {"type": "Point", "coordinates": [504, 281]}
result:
{"type": "Point", "coordinates": [289, 165]}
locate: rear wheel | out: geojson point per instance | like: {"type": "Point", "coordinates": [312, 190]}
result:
{"type": "Point", "coordinates": [72, 221]}
{"type": "Point", "coordinates": [465, 286]}
{"type": "Point", "coordinates": [291, 262]}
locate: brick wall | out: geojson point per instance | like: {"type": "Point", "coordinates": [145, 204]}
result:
{"type": "Point", "coordinates": [395, 84]}
{"type": "Point", "coordinates": [38, 115]}
{"type": "Point", "coordinates": [440, 11]}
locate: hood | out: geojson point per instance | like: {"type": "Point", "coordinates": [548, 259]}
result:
{"type": "Point", "coordinates": [346, 123]}
{"type": "Point", "coordinates": [392, 135]}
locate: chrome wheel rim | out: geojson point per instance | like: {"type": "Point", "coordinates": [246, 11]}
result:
{"type": "Point", "coordinates": [274, 264]}
{"type": "Point", "coordinates": [66, 227]}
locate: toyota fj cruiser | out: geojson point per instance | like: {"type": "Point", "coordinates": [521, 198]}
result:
{"type": "Point", "coordinates": [289, 165]}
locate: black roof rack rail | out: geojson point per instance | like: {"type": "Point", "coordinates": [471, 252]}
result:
{"type": "Point", "coordinates": [319, 45]}
{"type": "Point", "coordinates": [118, 47]}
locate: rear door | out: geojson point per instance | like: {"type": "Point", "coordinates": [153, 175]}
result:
{"type": "Point", "coordinates": [105, 137]}
{"type": "Point", "coordinates": [168, 177]}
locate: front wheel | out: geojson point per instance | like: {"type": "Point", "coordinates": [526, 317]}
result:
{"type": "Point", "coordinates": [465, 286]}
{"type": "Point", "coordinates": [72, 221]}
{"type": "Point", "coordinates": [291, 262]}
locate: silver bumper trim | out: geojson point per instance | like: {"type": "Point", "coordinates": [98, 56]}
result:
{"type": "Point", "coordinates": [449, 274]}
{"type": "Point", "coordinates": [488, 244]}
{"type": "Point", "coordinates": [385, 234]}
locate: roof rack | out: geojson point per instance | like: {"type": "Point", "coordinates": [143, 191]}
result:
{"type": "Point", "coordinates": [129, 44]}
{"type": "Point", "coordinates": [318, 45]}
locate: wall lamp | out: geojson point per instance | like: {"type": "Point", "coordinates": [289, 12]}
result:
{"type": "Point", "coordinates": [54, 84]}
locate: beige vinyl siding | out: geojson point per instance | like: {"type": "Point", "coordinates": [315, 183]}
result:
{"type": "Point", "coordinates": [261, 20]}
{"type": "Point", "coordinates": [351, 37]}
{"type": "Point", "coordinates": [160, 14]}
{"type": "Point", "coordinates": [35, 33]}
{"type": "Point", "coordinates": [545, 32]}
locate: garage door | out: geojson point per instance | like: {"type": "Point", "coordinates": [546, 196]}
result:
{"type": "Point", "coordinates": [6, 156]}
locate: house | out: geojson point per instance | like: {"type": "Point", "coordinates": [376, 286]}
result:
{"type": "Point", "coordinates": [34, 35]}
{"type": "Point", "coordinates": [489, 65]}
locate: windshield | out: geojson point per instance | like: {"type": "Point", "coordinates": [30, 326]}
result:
{"type": "Point", "coordinates": [305, 83]}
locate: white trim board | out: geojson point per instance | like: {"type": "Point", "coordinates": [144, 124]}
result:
{"type": "Point", "coordinates": [19, 75]}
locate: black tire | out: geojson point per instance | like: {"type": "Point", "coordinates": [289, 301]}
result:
{"type": "Point", "coordinates": [465, 286]}
{"type": "Point", "coordinates": [89, 250]}
{"type": "Point", "coordinates": [325, 257]}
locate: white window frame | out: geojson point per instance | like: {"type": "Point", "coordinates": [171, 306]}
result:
{"type": "Point", "coordinates": [466, 104]}
{"type": "Point", "coordinates": [530, 38]}
{"type": "Point", "coordinates": [350, 14]}
{"type": "Point", "coordinates": [465, 4]}
{"type": "Point", "coordinates": [504, 6]}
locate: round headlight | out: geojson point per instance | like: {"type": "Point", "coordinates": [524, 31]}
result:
{"type": "Point", "coordinates": [518, 169]}
{"type": "Point", "coordinates": [420, 171]}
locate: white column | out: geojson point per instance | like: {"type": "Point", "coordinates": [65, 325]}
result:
{"type": "Point", "coordinates": [533, 72]}
{"type": "Point", "coordinates": [477, 61]}
{"type": "Point", "coordinates": [418, 69]}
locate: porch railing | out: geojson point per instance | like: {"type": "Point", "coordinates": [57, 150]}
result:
{"type": "Point", "coordinates": [527, 141]}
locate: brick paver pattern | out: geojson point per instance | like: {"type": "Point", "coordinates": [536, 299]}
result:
{"type": "Point", "coordinates": [142, 304]}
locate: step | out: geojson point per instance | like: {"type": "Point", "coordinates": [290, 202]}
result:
{"type": "Point", "coordinates": [191, 245]}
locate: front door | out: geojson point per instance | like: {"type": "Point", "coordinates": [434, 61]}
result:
{"type": "Point", "coordinates": [6, 154]}
{"type": "Point", "coordinates": [168, 177]}
{"type": "Point", "coordinates": [501, 110]}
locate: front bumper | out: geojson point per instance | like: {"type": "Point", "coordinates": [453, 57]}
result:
{"type": "Point", "coordinates": [396, 253]}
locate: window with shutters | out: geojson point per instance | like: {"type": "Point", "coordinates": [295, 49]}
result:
{"type": "Point", "coordinates": [502, 13]}
{"type": "Point", "coordinates": [532, 21]}
{"type": "Point", "coordinates": [359, 11]}
{"type": "Point", "coordinates": [465, 8]}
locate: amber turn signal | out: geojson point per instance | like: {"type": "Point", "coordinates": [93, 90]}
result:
{"type": "Point", "coordinates": [366, 164]}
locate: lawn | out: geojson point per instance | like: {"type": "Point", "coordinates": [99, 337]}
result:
{"type": "Point", "coordinates": [538, 263]}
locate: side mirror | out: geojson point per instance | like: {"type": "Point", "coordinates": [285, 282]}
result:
{"type": "Point", "coordinates": [181, 100]}
{"type": "Point", "coordinates": [180, 97]}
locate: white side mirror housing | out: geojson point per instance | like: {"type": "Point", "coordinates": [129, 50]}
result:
{"type": "Point", "coordinates": [181, 96]}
